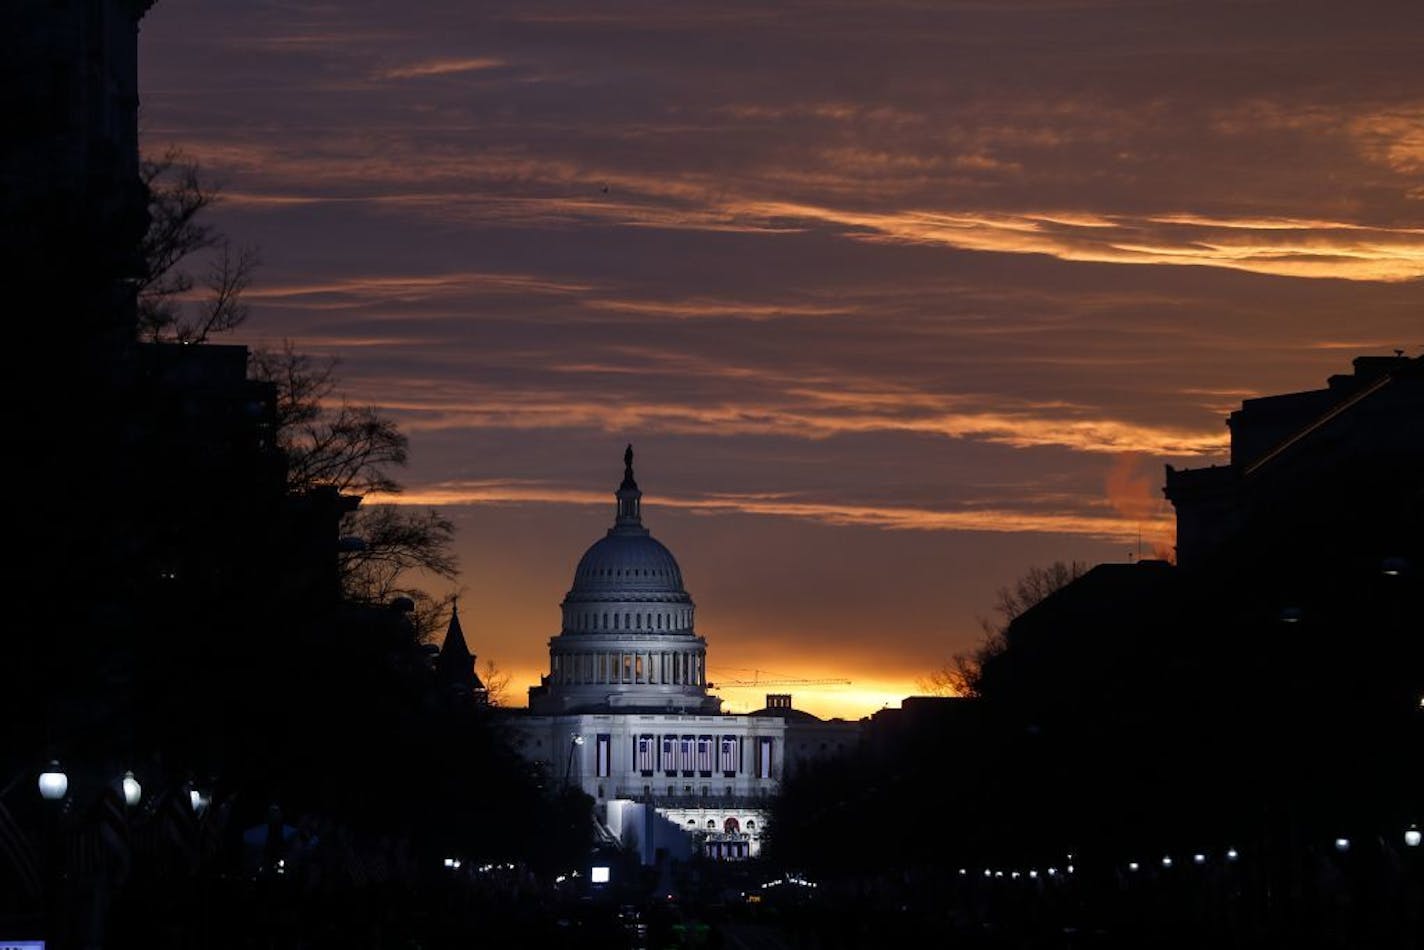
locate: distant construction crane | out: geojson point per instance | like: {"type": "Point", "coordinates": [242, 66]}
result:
{"type": "Point", "coordinates": [756, 680]}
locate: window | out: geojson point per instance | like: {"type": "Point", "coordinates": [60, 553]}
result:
{"type": "Point", "coordinates": [638, 668]}
{"type": "Point", "coordinates": [763, 765]}
{"type": "Point", "coordinates": [604, 759]}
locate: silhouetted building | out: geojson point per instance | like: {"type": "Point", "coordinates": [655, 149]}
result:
{"type": "Point", "coordinates": [73, 206]}
{"type": "Point", "coordinates": [455, 664]}
{"type": "Point", "coordinates": [1339, 466]}
{"type": "Point", "coordinates": [809, 738]}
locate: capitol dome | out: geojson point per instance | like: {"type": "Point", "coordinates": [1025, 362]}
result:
{"type": "Point", "coordinates": [627, 638]}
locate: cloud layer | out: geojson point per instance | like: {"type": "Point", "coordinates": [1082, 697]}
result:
{"type": "Point", "coordinates": [903, 290]}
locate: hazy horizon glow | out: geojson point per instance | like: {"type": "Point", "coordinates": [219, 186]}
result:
{"type": "Point", "coordinates": [895, 299]}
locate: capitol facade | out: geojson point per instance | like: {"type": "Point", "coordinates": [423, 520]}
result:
{"type": "Point", "coordinates": [624, 710]}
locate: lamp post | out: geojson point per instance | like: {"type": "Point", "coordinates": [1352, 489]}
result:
{"type": "Point", "coordinates": [575, 740]}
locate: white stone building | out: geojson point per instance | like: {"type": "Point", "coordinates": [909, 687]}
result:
{"type": "Point", "coordinates": [624, 711]}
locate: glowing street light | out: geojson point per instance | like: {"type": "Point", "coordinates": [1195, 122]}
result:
{"type": "Point", "coordinates": [1342, 845]}
{"type": "Point", "coordinates": [54, 784]}
{"type": "Point", "coordinates": [1166, 861]}
{"type": "Point", "coordinates": [1198, 858]}
{"type": "Point", "coordinates": [1133, 865]}
{"type": "Point", "coordinates": [132, 790]}
{"type": "Point", "coordinates": [1412, 836]}
{"type": "Point", "coordinates": [198, 800]}
{"type": "Point", "coordinates": [1232, 854]}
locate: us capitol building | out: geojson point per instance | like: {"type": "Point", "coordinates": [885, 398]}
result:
{"type": "Point", "coordinates": [625, 714]}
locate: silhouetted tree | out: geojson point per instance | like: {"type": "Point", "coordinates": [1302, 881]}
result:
{"type": "Point", "coordinates": [496, 682]}
{"type": "Point", "coordinates": [177, 198]}
{"type": "Point", "coordinates": [353, 449]}
{"type": "Point", "coordinates": [961, 673]}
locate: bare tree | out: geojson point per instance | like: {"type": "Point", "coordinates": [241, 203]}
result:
{"type": "Point", "coordinates": [961, 673]}
{"type": "Point", "coordinates": [496, 683]}
{"type": "Point", "coordinates": [169, 305]}
{"type": "Point", "coordinates": [330, 443]}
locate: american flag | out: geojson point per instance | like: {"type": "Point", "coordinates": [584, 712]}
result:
{"type": "Point", "coordinates": [670, 754]}
{"type": "Point", "coordinates": [647, 754]}
{"type": "Point", "coordinates": [687, 759]}
{"type": "Point", "coordinates": [704, 753]}
{"type": "Point", "coordinates": [729, 755]}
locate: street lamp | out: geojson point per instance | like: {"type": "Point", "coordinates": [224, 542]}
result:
{"type": "Point", "coordinates": [1412, 836]}
{"type": "Point", "coordinates": [198, 800]}
{"type": "Point", "coordinates": [54, 784]}
{"type": "Point", "coordinates": [1342, 845]}
{"type": "Point", "coordinates": [575, 740]}
{"type": "Point", "coordinates": [133, 791]}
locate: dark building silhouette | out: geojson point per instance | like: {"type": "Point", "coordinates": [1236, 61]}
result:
{"type": "Point", "coordinates": [74, 207]}
{"type": "Point", "coordinates": [1333, 466]}
{"type": "Point", "coordinates": [455, 664]}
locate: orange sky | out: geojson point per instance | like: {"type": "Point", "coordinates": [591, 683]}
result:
{"type": "Point", "coordinates": [895, 299]}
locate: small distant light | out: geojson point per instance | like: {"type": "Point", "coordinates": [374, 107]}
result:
{"type": "Point", "coordinates": [1342, 844]}
{"type": "Point", "coordinates": [449, 862]}
{"type": "Point", "coordinates": [598, 874]}
{"type": "Point", "coordinates": [963, 871]}
{"type": "Point", "coordinates": [1133, 865]}
{"type": "Point", "coordinates": [1070, 869]}
{"type": "Point", "coordinates": [1015, 875]}
{"type": "Point", "coordinates": [1198, 858]}
{"type": "Point", "coordinates": [133, 791]}
{"type": "Point", "coordinates": [1412, 837]}
{"type": "Point", "coordinates": [456, 864]}
{"type": "Point", "coordinates": [988, 873]}
{"type": "Point", "coordinates": [1393, 566]}
{"type": "Point", "coordinates": [198, 800]}
{"type": "Point", "coordinates": [1167, 861]}
{"type": "Point", "coordinates": [1052, 872]}
{"type": "Point", "coordinates": [561, 879]}
{"type": "Point", "coordinates": [998, 873]}
{"type": "Point", "coordinates": [1033, 874]}
{"type": "Point", "coordinates": [1291, 615]}
{"type": "Point", "coordinates": [1232, 854]}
